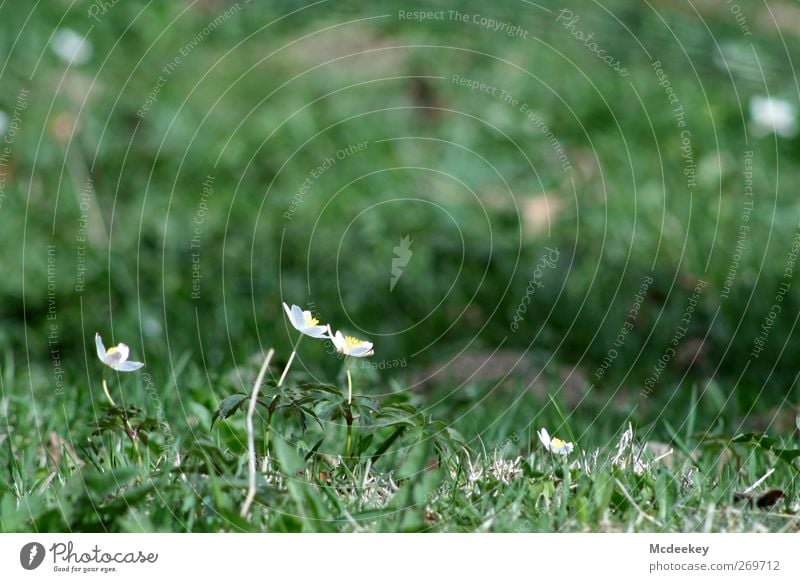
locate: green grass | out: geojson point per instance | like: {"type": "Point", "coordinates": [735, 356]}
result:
{"type": "Point", "coordinates": [408, 470]}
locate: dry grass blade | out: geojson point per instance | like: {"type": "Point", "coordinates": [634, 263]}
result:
{"type": "Point", "coordinates": [251, 441]}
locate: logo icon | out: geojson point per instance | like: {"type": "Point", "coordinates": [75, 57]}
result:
{"type": "Point", "coordinates": [31, 555]}
{"type": "Point", "coordinates": [400, 260]}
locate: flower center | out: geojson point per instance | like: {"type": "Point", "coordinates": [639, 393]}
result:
{"type": "Point", "coordinates": [557, 443]}
{"type": "Point", "coordinates": [352, 342]}
{"type": "Point", "coordinates": [113, 354]}
{"type": "Point", "coordinates": [310, 320]}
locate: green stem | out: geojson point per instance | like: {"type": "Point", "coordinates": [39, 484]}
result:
{"type": "Point", "coordinates": [108, 394]}
{"type": "Point", "coordinates": [135, 446]}
{"type": "Point", "coordinates": [128, 427]}
{"type": "Point", "coordinates": [348, 446]}
{"type": "Point", "coordinates": [267, 434]}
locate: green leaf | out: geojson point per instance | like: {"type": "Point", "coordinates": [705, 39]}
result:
{"type": "Point", "coordinates": [291, 462]}
{"type": "Point", "coordinates": [228, 406]}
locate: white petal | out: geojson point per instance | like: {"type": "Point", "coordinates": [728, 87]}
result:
{"type": "Point", "coordinates": [339, 341]}
{"type": "Point", "coordinates": [544, 437]}
{"type": "Point", "coordinates": [128, 366]}
{"type": "Point", "coordinates": [298, 320]}
{"type": "Point", "coordinates": [363, 350]}
{"type": "Point", "coordinates": [123, 352]}
{"type": "Point", "coordinates": [101, 349]}
{"type": "Point", "coordinates": [317, 331]}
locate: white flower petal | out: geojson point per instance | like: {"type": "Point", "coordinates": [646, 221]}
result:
{"type": "Point", "coordinates": [123, 351]}
{"type": "Point", "coordinates": [339, 341]}
{"type": "Point", "coordinates": [363, 350]}
{"type": "Point", "coordinates": [128, 366]}
{"type": "Point", "coordinates": [317, 331]}
{"type": "Point", "coordinates": [544, 438]}
{"type": "Point", "coordinates": [287, 310]}
{"type": "Point", "coordinates": [298, 319]}
{"type": "Point", "coordinates": [101, 349]}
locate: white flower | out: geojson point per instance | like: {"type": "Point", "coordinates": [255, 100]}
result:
{"type": "Point", "coordinates": [350, 346]}
{"type": "Point", "coordinates": [554, 445]}
{"type": "Point", "coordinates": [770, 115]}
{"type": "Point", "coordinates": [71, 47]}
{"type": "Point", "coordinates": [304, 322]}
{"type": "Point", "coordinates": [115, 357]}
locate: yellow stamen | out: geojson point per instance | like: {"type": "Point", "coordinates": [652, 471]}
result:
{"type": "Point", "coordinates": [310, 320]}
{"type": "Point", "coordinates": [111, 350]}
{"type": "Point", "coordinates": [352, 342]}
{"type": "Point", "coordinates": [557, 443]}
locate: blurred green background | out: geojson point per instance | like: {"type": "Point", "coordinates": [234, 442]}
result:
{"type": "Point", "coordinates": [203, 137]}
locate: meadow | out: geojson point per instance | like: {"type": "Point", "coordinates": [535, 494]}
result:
{"type": "Point", "coordinates": [578, 218]}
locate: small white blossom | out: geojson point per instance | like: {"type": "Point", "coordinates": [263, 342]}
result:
{"type": "Point", "coordinates": [304, 322]}
{"type": "Point", "coordinates": [554, 445]}
{"type": "Point", "coordinates": [350, 346]}
{"type": "Point", "coordinates": [769, 115]}
{"type": "Point", "coordinates": [71, 47]}
{"type": "Point", "coordinates": [115, 357]}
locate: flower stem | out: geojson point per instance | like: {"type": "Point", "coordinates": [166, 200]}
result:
{"type": "Point", "coordinates": [349, 442]}
{"type": "Point", "coordinates": [128, 427]}
{"type": "Point", "coordinates": [348, 413]}
{"type": "Point", "coordinates": [108, 394]}
{"type": "Point", "coordinates": [291, 359]}
{"type": "Point", "coordinates": [349, 383]}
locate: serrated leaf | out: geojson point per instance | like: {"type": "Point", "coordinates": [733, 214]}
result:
{"type": "Point", "coordinates": [228, 406]}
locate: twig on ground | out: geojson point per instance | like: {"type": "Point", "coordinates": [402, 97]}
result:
{"type": "Point", "coordinates": [759, 482]}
